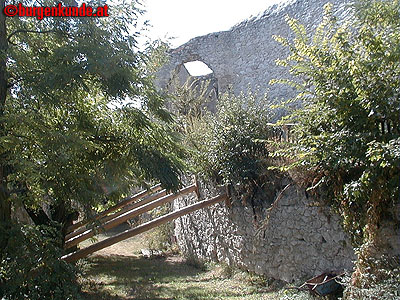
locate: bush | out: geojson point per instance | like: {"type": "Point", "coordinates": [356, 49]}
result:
{"type": "Point", "coordinates": [161, 237]}
{"type": "Point", "coordinates": [30, 265]}
{"type": "Point", "coordinates": [230, 145]}
{"type": "Point", "coordinates": [347, 131]}
{"type": "Point", "coordinates": [380, 280]}
{"type": "Point", "coordinates": [348, 128]}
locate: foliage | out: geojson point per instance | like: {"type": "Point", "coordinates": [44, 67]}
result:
{"type": "Point", "coordinates": [68, 136]}
{"type": "Point", "coordinates": [190, 102]}
{"type": "Point", "coordinates": [30, 267]}
{"type": "Point", "coordinates": [384, 283]}
{"type": "Point", "coordinates": [155, 55]}
{"type": "Point", "coordinates": [230, 145]}
{"type": "Point", "coordinates": [348, 77]}
{"type": "Point", "coordinates": [348, 134]}
{"type": "Point", "coordinates": [161, 237]}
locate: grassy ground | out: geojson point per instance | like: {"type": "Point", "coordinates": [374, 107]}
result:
{"type": "Point", "coordinates": [121, 273]}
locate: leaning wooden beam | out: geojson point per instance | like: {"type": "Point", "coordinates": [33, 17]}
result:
{"type": "Point", "coordinates": [135, 205]}
{"type": "Point", "coordinates": [118, 213]}
{"type": "Point", "coordinates": [142, 228]}
{"type": "Point", "coordinates": [123, 203]}
{"type": "Point", "coordinates": [129, 215]}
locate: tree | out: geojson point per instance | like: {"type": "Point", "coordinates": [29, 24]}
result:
{"type": "Point", "coordinates": [66, 137]}
{"type": "Point", "coordinates": [5, 207]}
{"type": "Point", "coordinates": [348, 76]}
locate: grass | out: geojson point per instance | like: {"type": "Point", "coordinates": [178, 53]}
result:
{"type": "Point", "coordinates": [121, 273]}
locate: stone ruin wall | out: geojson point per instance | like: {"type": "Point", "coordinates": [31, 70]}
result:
{"type": "Point", "coordinates": [301, 239]}
{"type": "Point", "coordinates": [244, 58]}
{"type": "Point", "coordinates": [295, 239]}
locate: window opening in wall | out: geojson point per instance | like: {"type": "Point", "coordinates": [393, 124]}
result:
{"type": "Point", "coordinates": [197, 68]}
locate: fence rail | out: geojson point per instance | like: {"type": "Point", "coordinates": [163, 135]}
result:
{"type": "Point", "coordinates": [142, 228]}
{"type": "Point", "coordinates": [142, 207]}
{"type": "Point", "coordinates": [282, 133]}
{"type": "Point", "coordinates": [119, 205]}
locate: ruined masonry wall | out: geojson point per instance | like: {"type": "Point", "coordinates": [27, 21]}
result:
{"type": "Point", "coordinates": [245, 56]}
{"type": "Point", "coordinates": [300, 240]}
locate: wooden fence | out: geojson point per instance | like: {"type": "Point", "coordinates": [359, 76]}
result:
{"type": "Point", "coordinates": [281, 133]}
{"type": "Point", "coordinates": [126, 210]}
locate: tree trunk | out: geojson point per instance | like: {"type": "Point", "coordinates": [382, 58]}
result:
{"type": "Point", "coordinates": [38, 216]}
{"type": "Point", "coordinates": [5, 205]}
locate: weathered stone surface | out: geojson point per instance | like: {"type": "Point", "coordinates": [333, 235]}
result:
{"type": "Point", "coordinates": [288, 247]}
{"type": "Point", "coordinates": [299, 240]}
{"type": "Point", "coordinates": [245, 57]}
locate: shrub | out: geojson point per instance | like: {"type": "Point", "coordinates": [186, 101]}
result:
{"type": "Point", "coordinates": [230, 145]}
{"type": "Point", "coordinates": [30, 265]}
{"type": "Point", "coordinates": [161, 237]}
{"type": "Point", "coordinates": [347, 74]}
{"type": "Point", "coordinates": [381, 280]}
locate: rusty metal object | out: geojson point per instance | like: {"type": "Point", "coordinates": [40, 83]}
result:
{"type": "Point", "coordinates": [324, 284]}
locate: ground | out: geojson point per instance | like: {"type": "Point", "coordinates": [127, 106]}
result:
{"type": "Point", "coordinates": [120, 272]}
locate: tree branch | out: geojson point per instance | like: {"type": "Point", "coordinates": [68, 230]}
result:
{"type": "Point", "coordinates": [21, 78]}
{"type": "Point", "coordinates": [26, 31]}
{"type": "Point", "coordinates": [104, 139]}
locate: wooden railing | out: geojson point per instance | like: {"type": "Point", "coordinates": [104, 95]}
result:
{"type": "Point", "coordinates": [142, 228]}
{"type": "Point", "coordinates": [121, 218]}
{"type": "Point", "coordinates": [130, 210]}
{"type": "Point", "coordinates": [284, 132]}
{"type": "Point", "coordinates": [123, 203]}
{"type": "Point", "coordinates": [124, 210]}
{"type": "Point", "coordinates": [281, 133]}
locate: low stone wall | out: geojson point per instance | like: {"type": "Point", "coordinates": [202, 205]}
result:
{"type": "Point", "coordinates": [289, 240]}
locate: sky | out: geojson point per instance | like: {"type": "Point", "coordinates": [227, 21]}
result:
{"type": "Point", "coordinates": [177, 21]}
{"type": "Point", "coordinates": [185, 19]}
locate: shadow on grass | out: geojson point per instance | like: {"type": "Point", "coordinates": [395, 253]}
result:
{"type": "Point", "coordinates": [136, 277]}
{"type": "Point", "coordinates": [127, 267]}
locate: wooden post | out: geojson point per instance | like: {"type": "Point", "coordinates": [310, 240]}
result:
{"type": "Point", "coordinates": [123, 203]}
{"type": "Point", "coordinates": [140, 229]}
{"type": "Point", "coordinates": [197, 191]}
{"type": "Point", "coordinates": [129, 215]}
{"type": "Point", "coordinates": [122, 211]}
{"type": "Point", "coordinates": [228, 202]}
